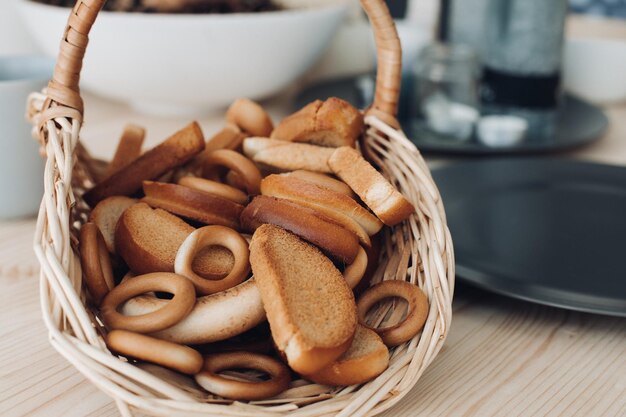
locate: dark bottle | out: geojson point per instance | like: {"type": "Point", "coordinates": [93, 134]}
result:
{"type": "Point", "coordinates": [520, 45]}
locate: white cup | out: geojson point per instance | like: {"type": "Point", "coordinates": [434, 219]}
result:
{"type": "Point", "coordinates": [21, 167]}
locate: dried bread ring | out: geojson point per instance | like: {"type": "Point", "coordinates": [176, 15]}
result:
{"type": "Point", "coordinates": [238, 163]}
{"type": "Point", "coordinates": [215, 188]}
{"type": "Point", "coordinates": [415, 317]}
{"type": "Point", "coordinates": [353, 274]}
{"type": "Point", "coordinates": [171, 355]}
{"type": "Point", "coordinates": [171, 313]}
{"type": "Point", "coordinates": [250, 117]}
{"type": "Point", "coordinates": [213, 236]}
{"type": "Point", "coordinates": [95, 262]}
{"type": "Point", "coordinates": [230, 137]}
{"type": "Point", "coordinates": [243, 390]}
{"type": "Point", "coordinates": [234, 180]}
{"type": "Point", "coordinates": [215, 317]}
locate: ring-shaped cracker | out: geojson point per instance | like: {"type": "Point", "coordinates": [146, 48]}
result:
{"type": "Point", "coordinates": [250, 117]}
{"type": "Point", "coordinates": [353, 274]}
{"type": "Point", "coordinates": [150, 349]}
{"type": "Point", "coordinates": [415, 317]}
{"type": "Point", "coordinates": [95, 262]}
{"type": "Point", "coordinates": [243, 390]}
{"type": "Point", "coordinates": [173, 312]}
{"type": "Point", "coordinates": [213, 236]}
{"type": "Point", "coordinates": [239, 164]}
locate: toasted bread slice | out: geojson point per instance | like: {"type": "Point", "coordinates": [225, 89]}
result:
{"type": "Point", "coordinates": [148, 240]}
{"type": "Point", "coordinates": [367, 358]}
{"type": "Point", "coordinates": [337, 206]}
{"type": "Point", "coordinates": [106, 215]}
{"type": "Point", "coordinates": [323, 180]}
{"type": "Point", "coordinates": [312, 226]}
{"type": "Point", "coordinates": [385, 201]}
{"type": "Point", "coordinates": [310, 308]}
{"type": "Point", "coordinates": [192, 204]}
{"type": "Point", "coordinates": [332, 123]}
{"type": "Point", "coordinates": [281, 155]}
{"type": "Point", "coordinates": [128, 149]}
{"type": "Point", "coordinates": [297, 126]}
{"type": "Point", "coordinates": [174, 152]}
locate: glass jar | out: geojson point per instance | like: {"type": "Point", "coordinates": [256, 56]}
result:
{"type": "Point", "coordinates": [445, 89]}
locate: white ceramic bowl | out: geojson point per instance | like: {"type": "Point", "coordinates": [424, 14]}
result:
{"type": "Point", "coordinates": [184, 65]}
{"type": "Point", "coordinates": [595, 69]}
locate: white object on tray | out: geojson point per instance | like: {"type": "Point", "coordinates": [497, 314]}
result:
{"type": "Point", "coordinates": [449, 117]}
{"type": "Point", "coordinates": [501, 131]}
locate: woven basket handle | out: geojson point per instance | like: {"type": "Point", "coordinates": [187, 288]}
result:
{"type": "Point", "coordinates": [63, 89]}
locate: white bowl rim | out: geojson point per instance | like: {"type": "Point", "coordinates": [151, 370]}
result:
{"type": "Point", "coordinates": [327, 7]}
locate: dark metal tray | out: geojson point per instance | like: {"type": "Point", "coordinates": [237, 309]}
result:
{"type": "Point", "coordinates": [577, 122]}
{"type": "Point", "coordinates": [545, 230]}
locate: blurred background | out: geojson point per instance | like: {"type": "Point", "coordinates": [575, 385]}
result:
{"type": "Point", "coordinates": [462, 58]}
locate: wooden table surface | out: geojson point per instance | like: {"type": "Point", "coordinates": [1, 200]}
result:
{"type": "Point", "coordinates": [503, 357]}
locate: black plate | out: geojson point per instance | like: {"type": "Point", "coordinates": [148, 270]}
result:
{"type": "Point", "coordinates": [544, 230]}
{"type": "Point", "coordinates": [577, 122]}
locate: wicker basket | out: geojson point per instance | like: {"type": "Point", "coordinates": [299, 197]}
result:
{"type": "Point", "coordinates": [419, 250]}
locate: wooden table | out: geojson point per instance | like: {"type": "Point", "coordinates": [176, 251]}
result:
{"type": "Point", "coordinates": [503, 357]}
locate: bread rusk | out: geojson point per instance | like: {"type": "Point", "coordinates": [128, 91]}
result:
{"type": "Point", "coordinates": [174, 152]}
{"type": "Point", "coordinates": [216, 188]}
{"type": "Point", "coordinates": [332, 123]}
{"type": "Point", "coordinates": [148, 240]}
{"type": "Point", "coordinates": [338, 207]}
{"type": "Point", "coordinates": [254, 145]}
{"type": "Point", "coordinates": [280, 155]}
{"type": "Point", "coordinates": [128, 149]}
{"type": "Point", "coordinates": [322, 180]}
{"type": "Point", "coordinates": [310, 308]}
{"type": "Point", "coordinates": [335, 241]}
{"type": "Point", "coordinates": [192, 204]}
{"type": "Point", "coordinates": [366, 358]}
{"type": "Point", "coordinates": [376, 192]}
{"type": "Point", "coordinates": [250, 117]}
{"type": "Point", "coordinates": [106, 215]}
{"type": "Point", "coordinates": [296, 126]}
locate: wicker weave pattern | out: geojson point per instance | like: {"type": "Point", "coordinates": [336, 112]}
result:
{"type": "Point", "coordinates": [419, 250]}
